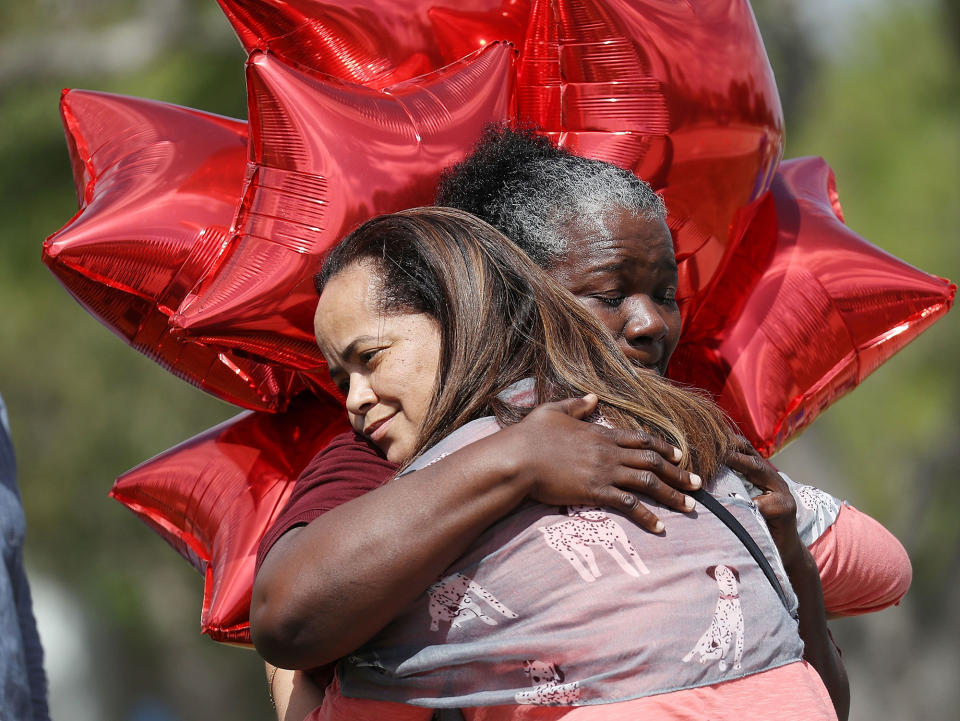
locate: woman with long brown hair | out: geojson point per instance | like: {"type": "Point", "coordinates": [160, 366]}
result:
{"type": "Point", "coordinates": [477, 285]}
{"type": "Point", "coordinates": [441, 332]}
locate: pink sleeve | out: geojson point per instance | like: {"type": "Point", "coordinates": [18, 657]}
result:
{"type": "Point", "coordinates": [863, 567]}
{"type": "Point", "coordinates": [337, 707]}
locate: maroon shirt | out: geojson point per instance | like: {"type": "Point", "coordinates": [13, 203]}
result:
{"type": "Point", "coordinates": [346, 469]}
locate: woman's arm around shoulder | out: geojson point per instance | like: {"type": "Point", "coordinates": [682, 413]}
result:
{"type": "Point", "coordinates": [779, 508]}
{"type": "Point", "coordinates": [324, 589]}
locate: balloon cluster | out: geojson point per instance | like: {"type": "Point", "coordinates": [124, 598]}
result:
{"type": "Point", "coordinates": [197, 235]}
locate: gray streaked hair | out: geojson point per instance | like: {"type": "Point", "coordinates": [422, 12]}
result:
{"type": "Point", "coordinates": [533, 192]}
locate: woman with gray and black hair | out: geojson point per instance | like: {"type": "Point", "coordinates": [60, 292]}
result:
{"type": "Point", "coordinates": [619, 263]}
{"type": "Point", "coordinates": [596, 228]}
{"type": "Point", "coordinates": [572, 606]}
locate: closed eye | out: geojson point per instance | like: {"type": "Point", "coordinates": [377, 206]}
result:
{"type": "Point", "coordinates": [613, 301]}
{"type": "Point", "coordinates": [367, 356]}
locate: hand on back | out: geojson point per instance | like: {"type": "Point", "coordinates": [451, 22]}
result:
{"type": "Point", "coordinates": [565, 461]}
{"type": "Point", "coordinates": [776, 503]}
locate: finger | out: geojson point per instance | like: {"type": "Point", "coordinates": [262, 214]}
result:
{"type": "Point", "coordinates": [742, 445]}
{"type": "Point", "coordinates": [648, 484]}
{"type": "Point", "coordinates": [754, 468]}
{"type": "Point", "coordinates": [741, 462]}
{"type": "Point", "coordinates": [631, 506]}
{"type": "Point", "coordinates": [777, 507]}
{"type": "Point", "coordinates": [578, 408]}
{"type": "Point", "coordinates": [644, 440]}
{"type": "Point", "coordinates": [665, 470]}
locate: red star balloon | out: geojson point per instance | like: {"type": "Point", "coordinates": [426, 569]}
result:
{"type": "Point", "coordinates": [461, 30]}
{"type": "Point", "coordinates": [680, 93]}
{"type": "Point", "coordinates": [158, 187]}
{"type": "Point", "coordinates": [327, 156]}
{"type": "Point", "coordinates": [804, 312]}
{"type": "Point", "coordinates": [214, 496]}
{"type": "Point", "coordinates": [371, 42]}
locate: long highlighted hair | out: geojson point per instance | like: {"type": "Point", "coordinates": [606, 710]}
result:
{"type": "Point", "coordinates": [502, 319]}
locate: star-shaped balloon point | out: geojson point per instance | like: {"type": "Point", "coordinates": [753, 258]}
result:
{"type": "Point", "coordinates": [158, 187]}
{"type": "Point", "coordinates": [213, 497]}
{"type": "Point", "coordinates": [326, 156]}
{"type": "Point", "coordinates": [354, 109]}
{"type": "Point", "coordinates": [807, 307]}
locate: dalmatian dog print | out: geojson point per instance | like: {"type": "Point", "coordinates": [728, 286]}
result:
{"type": "Point", "coordinates": [548, 686]}
{"type": "Point", "coordinates": [589, 526]}
{"type": "Point", "coordinates": [455, 600]}
{"type": "Point", "coordinates": [714, 644]}
{"type": "Point", "coordinates": [816, 500]}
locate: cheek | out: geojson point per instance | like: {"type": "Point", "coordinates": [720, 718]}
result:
{"type": "Point", "coordinates": [414, 385]}
{"type": "Point", "coordinates": [356, 422]}
{"type": "Point", "coordinates": [675, 325]}
{"type": "Point", "coordinates": [611, 317]}
{"type": "Point", "coordinates": [418, 372]}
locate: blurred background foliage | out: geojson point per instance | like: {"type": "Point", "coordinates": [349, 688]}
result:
{"type": "Point", "coordinates": [872, 86]}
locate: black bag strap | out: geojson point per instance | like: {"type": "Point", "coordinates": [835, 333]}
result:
{"type": "Point", "coordinates": [717, 509]}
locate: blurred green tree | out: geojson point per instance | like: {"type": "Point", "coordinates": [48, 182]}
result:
{"type": "Point", "coordinates": [881, 106]}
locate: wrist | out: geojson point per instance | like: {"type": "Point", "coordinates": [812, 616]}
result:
{"type": "Point", "coordinates": [804, 576]}
{"type": "Point", "coordinates": [795, 556]}
{"type": "Point", "coordinates": [514, 464]}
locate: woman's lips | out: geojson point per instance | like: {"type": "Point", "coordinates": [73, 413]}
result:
{"type": "Point", "coordinates": [648, 361]}
{"type": "Point", "coordinates": [376, 430]}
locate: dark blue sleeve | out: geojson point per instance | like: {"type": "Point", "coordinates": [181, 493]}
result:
{"type": "Point", "coordinates": [30, 652]}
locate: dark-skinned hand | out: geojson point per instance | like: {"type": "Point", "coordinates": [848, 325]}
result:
{"type": "Point", "coordinates": [776, 503]}
{"type": "Point", "coordinates": [568, 461]}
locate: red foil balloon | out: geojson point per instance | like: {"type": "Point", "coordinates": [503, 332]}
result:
{"type": "Point", "coordinates": [476, 24]}
{"type": "Point", "coordinates": [158, 187]}
{"type": "Point", "coordinates": [804, 312]}
{"type": "Point", "coordinates": [327, 156]}
{"type": "Point", "coordinates": [214, 496]}
{"type": "Point", "coordinates": [373, 43]}
{"type": "Point", "coordinates": [680, 93]}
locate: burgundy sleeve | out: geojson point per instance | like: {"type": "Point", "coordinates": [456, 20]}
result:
{"type": "Point", "coordinates": [346, 469]}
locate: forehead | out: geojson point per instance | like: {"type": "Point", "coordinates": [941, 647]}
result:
{"type": "Point", "coordinates": [628, 241]}
{"type": "Point", "coordinates": [350, 306]}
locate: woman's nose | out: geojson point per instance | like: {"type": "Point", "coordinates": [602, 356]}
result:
{"type": "Point", "coordinates": [644, 323]}
{"type": "Point", "coordinates": [360, 395]}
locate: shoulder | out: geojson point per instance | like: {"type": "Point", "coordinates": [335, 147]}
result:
{"type": "Point", "coordinates": [348, 456]}
{"type": "Point", "coordinates": [346, 468]}
{"type": "Point", "coordinates": [863, 566]}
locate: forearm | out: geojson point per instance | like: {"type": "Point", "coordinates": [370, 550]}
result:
{"type": "Point", "coordinates": [293, 693]}
{"type": "Point", "coordinates": [819, 649]}
{"type": "Point", "coordinates": [325, 589]}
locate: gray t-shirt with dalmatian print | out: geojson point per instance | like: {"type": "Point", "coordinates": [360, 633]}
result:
{"type": "Point", "coordinates": [578, 605]}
